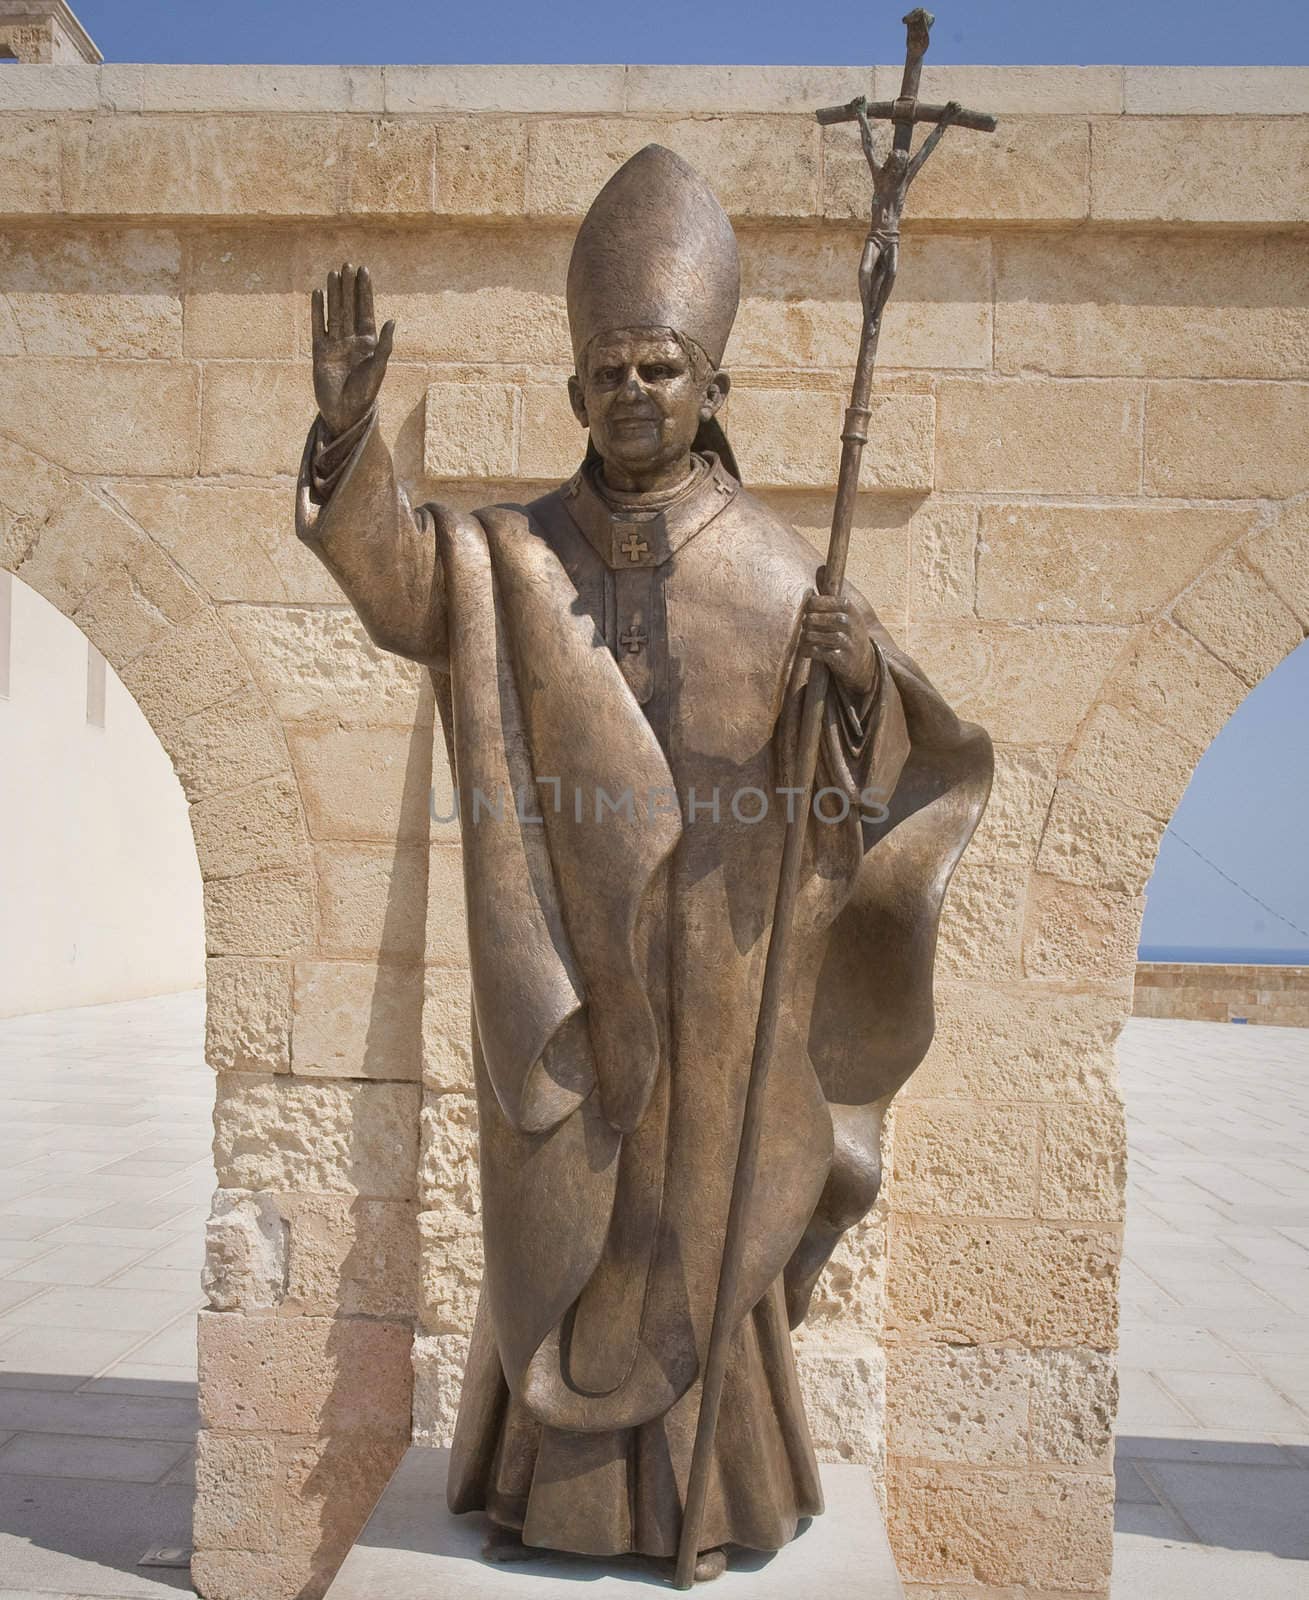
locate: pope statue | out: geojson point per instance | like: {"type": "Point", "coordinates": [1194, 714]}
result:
{"type": "Point", "coordinates": [619, 667]}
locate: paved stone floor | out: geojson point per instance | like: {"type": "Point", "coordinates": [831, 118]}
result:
{"type": "Point", "coordinates": [105, 1178]}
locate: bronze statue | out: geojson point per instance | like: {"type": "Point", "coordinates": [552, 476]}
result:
{"type": "Point", "coordinates": [630, 671]}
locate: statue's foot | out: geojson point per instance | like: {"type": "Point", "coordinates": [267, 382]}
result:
{"type": "Point", "coordinates": [506, 1544]}
{"type": "Point", "coordinates": [710, 1565]}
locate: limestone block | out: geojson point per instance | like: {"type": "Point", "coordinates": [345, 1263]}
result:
{"type": "Point", "coordinates": [253, 830]}
{"type": "Point", "coordinates": [720, 91]}
{"type": "Point", "coordinates": [1014, 819]}
{"type": "Point", "coordinates": [481, 167]}
{"type": "Point", "coordinates": [849, 1298]}
{"type": "Point", "coordinates": [1032, 169]}
{"type": "Point", "coordinates": [447, 1031]}
{"type": "Point", "coordinates": [47, 86]}
{"type": "Point", "coordinates": [1083, 1163]}
{"type": "Point", "coordinates": [279, 88]}
{"type": "Point", "coordinates": [364, 783]}
{"type": "Point", "coordinates": [957, 1403]}
{"type": "Point", "coordinates": [198, 164]}
{"type": "Point", "coordinates": [81, 293]}
{"type": "Point", "coordinates": [349, 1256]}
{"type": "Point", "coordinates": [1239, 619]}
{"type": "Point", "coordinates": [255, 417]}
{"type": "Point", "coordinates": [451, 1256]}
{"type": "Point", "coordinates": [757, 166]}
{"type": "Point", "coordinates": [447, 925]}
{"type": "Point", "coordinates": [455, 87]}
{"type": "Point", "coordinates": [1199, 169]}
{"type": "Point", "coordinates": [240, 299]}
{"type": "Point", "coordinates": [439, 1360]}
{"type": "Point", "coordinates": [1169, 678]}
{"type": "Point", "coordinates": [68, 543]}
{"type": "Point", "coordinates": [226, 745]}
{"type": "Point", "coordinates": [790, 438]}
{"type": "Point", "coordinates": [1214, 91]}
{"type": "Point", "coordinates": [29, 165]}
{"type": "Point", "coordinates": [347, 1138]}
{"type": "Point", "coordinates": [1095, 840]}
{"type": "Point", "coordinates": [1152, 305]}
{"type": "Point", "coordinates": [800, 302]}
{"type": "Point", "coordinates": [1045, 435]}
{"type": "Point", "coordinates": [1142, 763]}
{"type": "Point", "coordinates": [31, 488]}
{"type": "Point", "coordinates": [390, 167]}
{"type": "Point", "coordinates": [234, 540]}
{"type": "Point", "coordinates": [469, 430]}
{"type": "Point", "coordinates": [194, 666]}
{"type": "Point", "coordinates": [235, 1481]}
{"type": "Point", "coordinates": [551, 441]}
{"type": "Point", "coordinates": [1013, 90]}
{"type": "Point", "coordinates": [247, 1015]}
{"type": "Point", "coordinates": [260, 914]}
{"type": "Point", "coordinates": [1073, 1400]}
{"type": "Point", "coordinates": [966, 1159]}
{"type": "Point", "coordinates": [973, 1282]}
{"type": "Point", "coordinates": [447, 1173]}
{"type": "Point", "coordinates": [844, 1395]}
{"type": "Point", "coordinates": [1022, 1042]}
{"type": "Point", "coordinates": [1080, 933]}
{"type": "Point", "coordinates": [982, 923]}
{"type": "Point", "coordinates": [245, 1252]}
{"type": "Point", "coordinates": [879, 542]}
{"type": "Point", "coordinates": [1280, 551]}
{"type": "Point", "coordinates": [1093, 564]}
{"type": "Point", "coordinates": [1046, 1530]}
{"type": "Point", "coordinates": [316, 662]}
{"type": "Point", "coordinates": [118, 417]}
{"type": "Point", "coordinates": [221, 1574]}
{"type": "Point", "coordinates": [942, 561]}
{"type": "Point", "coordinates": [355, 1019]}
{"type": "Point", "coordinates": [1025, 685]}
{"type": "Point", "coordinates": [1227, 440]}
{"type": "Point", "coordinates": [372, 900]}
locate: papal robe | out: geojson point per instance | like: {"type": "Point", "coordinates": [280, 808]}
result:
{"type": "Point", "coordinates": [592, 650]}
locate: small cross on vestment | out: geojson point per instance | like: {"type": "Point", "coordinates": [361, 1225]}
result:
{"type": "Point", "coordinates": [633, 637]}
{"type": "Point", "coordinates": [634, 548]}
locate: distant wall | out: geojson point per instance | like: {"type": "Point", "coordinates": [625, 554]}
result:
{"type": "Point", "coordinates": [99, 882]}
{"type": "Point", "coordinates": [1202, 991]}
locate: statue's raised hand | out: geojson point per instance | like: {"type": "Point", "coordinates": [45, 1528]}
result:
{"type": "Point", "coordinates": [350, 355]}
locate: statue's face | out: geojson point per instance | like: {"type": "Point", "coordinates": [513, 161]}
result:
{"type": "Point", "coordinates": [643, 402]}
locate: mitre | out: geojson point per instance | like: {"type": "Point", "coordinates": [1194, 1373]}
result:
{"type": "Point", "coordinates": [655, 251]}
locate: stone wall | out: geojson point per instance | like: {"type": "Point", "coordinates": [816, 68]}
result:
{"type": "Point", "coordinates": [1085, 513]}
{"type": "Point", "coordinates": [1204, 991]}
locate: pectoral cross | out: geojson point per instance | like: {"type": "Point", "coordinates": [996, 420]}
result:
{"type": "Point", "coordinates": [633, 547]}
{"type": "Point", "coordinates": [634, 636]}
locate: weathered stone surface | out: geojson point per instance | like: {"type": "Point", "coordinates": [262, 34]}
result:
{"type": "Point", "coordinates": [446, 942]}
{"type": "Point", "coordinates": [439, 1360]}
{"type": "Point", "coordinates": [982, 924]}
{"type": "Point", "coordinates": [451, 1244]}
{"type": "Point", "coordinates": [352, 1138]}
{"type": "Point", "coordinates": [316, 662]}
{"type": "Point", "coordinates": [364, 784]}
{"type": "Point", "coordinates": [47, 404]}
{"type": "Point", "coordinates": [29, 165]}
{"type": "Point", "coordinates": [1014, 819]}
{"type": "Point", "coordinates": [849, 1299]}
{"type": "Point", "coordinates": [943, 561]}
{"type": "Point", "coordinates": [47, 85]}
{"type": "Point", "coordinates": [1093, 839]}
{"type": "Point", "coordinates": [447, 1031]}
{"type": "Point", "coordinates": [455, 87]}
{"type": "Point", "coordinates": [447, 1171]}
{"type": "Point", "coordinates": [551, 442]}
{"type": "Point", "coordinates": [1025, 685]}
{"type": "Point", "coordinates": [758, 166]}
{"type": "Point", "coordinates": [255, 417]}
{"type": "Point", "coordinates": [135, 601]}
{"type": "Point", "coordinates": [481, 168]}
{"type": "Point", "coordinates": [260, 914]}
{"type": "Point", "coordinates": [235, 1479]}
{"type": "Point", "coordinates": [390, 166]}
{"type": "Point", "coordinates": [1122, 753]}
{"type": "Point", "coordinates": [719, 90]}
{"type": "Point", "coordinates": [247, 1015]}
{"type": "Point", "coordinates": [1073, 1400]}
{"type": "Point", "coordinates": [240, 299]}
{"type": "Point", "coordinates": [31, 488]}
{"type": "Point", "coordinates": [1150, 305]}
{"type": "Point", "coordinates": [879, 538]}
{"type": "Point", "coordinates": [1234, 91]}
{"type": "Point", "coordinates": [844, 1391]}
{"type": "Point", "coordinates": [372, 900]}
{"type": "Point", "coordinates": [966, 1159]}
{"type": "Point", "coordinates": [245, 1252]}
{"type": "Point", "coordinates": [1021, 1042]}
{"type": "Point", "coordinates": [966, 1525]}
{"type": "Point", "coordinates": [349, 1255]}
{"type": "Point", "coordinates": [1167, 677]}
{"type": "Point", "coordinates": [1238, 618]}
{"type": "Point", "coordinates": [1030, 169]}
{"type": "Point", "coordinates": [789, 438]}
{"type": "Point", "coordinates": [1199, 169]}
{"type": "Point", "coordinates": [1280, 551]}
{"type": "Point", "coordinates": [1012, 90]}
{"type": "Point", "coordinates": [226, 745]}
{"type": "Point", "coordinates": [1083, 1163]}
{"type": "Point", "coordinates": [1226, 440]}
{"type": "Point", "coordinates": [469, 430]}
{"type": "Point", "coordinates": [357, 1019]}
{"type": "Point", "coordinates": [1051, 435]}
{"type": "Point", "coordinates": [253, 830]}
{"type": "Point", "coordinates": [194, 87]}
{"type": "Point", "coordinates": [957, 1403]}
{"type": "Point", "coordinates": [972, 1282]}
{"type": "Point", "coordinates": [1093, 564]}
{"type": "Point", "coordinates": [78, 293]}
{"type": "Point", "coordinates": [1079, 933]}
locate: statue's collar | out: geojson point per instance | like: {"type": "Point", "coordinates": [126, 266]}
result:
{"type": "Point", "coordinates": [626, 532]}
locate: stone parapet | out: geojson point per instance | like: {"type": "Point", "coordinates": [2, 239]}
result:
{"type": "Point", "coordinates": [1201, 991]}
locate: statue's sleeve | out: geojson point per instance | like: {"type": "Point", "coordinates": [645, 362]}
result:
{"type": "Point", "coordinates": [865, 741]}
{"type": "Point", "coordinates": [357, 520]}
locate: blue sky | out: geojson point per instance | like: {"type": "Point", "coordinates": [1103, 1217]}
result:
{"type": "Point", "coordinates": [1141, 32]}
{"type": "Point", "coordinates": [1244, 811]}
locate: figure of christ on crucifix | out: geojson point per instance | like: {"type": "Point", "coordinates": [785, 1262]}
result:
{"type": "Point", "coordinates": [650, 628]}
